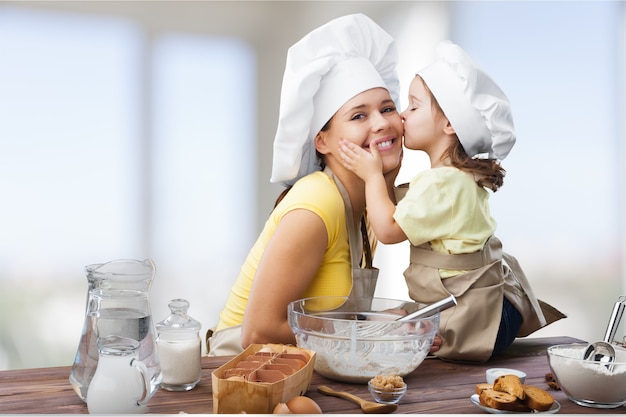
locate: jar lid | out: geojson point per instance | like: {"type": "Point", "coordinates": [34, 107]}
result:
{"type": "Point", "coordinates": [178, 320]}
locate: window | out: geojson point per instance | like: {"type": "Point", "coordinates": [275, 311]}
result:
{"type": "Point", "coordinates": [560, 209]}
{"type": "Point", "coordinates": [98, 163]}
{"type": "Point", "coordinates": [204, 159]}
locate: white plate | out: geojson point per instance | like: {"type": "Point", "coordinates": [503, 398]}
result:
{"type": "Point", "coordinates": [476, 401]}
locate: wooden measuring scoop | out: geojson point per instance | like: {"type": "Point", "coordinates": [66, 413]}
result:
{"type": "Point", "coordinates": [368, 407]}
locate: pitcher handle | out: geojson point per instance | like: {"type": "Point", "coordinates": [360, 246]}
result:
{"type": "Point", "coordinates": [143, 371]}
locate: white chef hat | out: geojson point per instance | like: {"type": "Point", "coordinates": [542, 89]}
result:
{"type": "Point", "coordinates": [476, 107]}
{"type": "Point", "coordinates": [324, 70]}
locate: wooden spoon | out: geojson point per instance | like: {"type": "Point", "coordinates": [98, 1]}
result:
{"type": "Point", "coordinates": [368, 407]}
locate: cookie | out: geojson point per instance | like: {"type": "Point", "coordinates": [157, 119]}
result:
{"type": "Point", "coordinates": [501, 401]}
{"type": "Point", "coordinates": [537, 398]}
{"type": "Point", "coordinates": [510, 384]}
{"type": "Point", "coordinates": [483, 386]}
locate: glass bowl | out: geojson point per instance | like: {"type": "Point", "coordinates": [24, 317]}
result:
{"type": "Point", "coordinates": [586, 382]}
{"type": "Point", "coordinates": [356, 339]}
{"type": "Point", "coordinates": [386, 396]}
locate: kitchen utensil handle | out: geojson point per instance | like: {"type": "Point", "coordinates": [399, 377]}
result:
{"type": "Point", "coordinates": [341, 394]}
{"type": "Point", "coordinates": [430, 309]}
{"type": "Point", "coordinates": [616, 316]}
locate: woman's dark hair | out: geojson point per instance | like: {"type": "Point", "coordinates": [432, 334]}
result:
{"type": "Point", "coordinates": [320, 162]}
{"type": "Point", "coordinates": [487, 172]}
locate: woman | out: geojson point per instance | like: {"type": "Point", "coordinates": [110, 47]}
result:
{"type": "Point", "coordinates": [340, 82]}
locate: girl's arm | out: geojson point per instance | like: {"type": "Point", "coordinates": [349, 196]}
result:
{"type": "Point", "coordinates": [289, 263]}
{"type": "Point", "coordinates": [380, 207]}
{"type": "Point", "coordinates": [390, 179]}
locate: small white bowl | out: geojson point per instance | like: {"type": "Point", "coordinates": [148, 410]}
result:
{"type": "Point", "coordinates": [493, 373]}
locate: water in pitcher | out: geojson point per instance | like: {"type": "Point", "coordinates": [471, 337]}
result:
{"type": "Point", "coordinates": [134, 324]}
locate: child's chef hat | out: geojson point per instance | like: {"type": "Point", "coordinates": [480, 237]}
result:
{"type": "Point", "coordinates": [476, 107]}
{"type": "Point", "coordinates": [324, 70]}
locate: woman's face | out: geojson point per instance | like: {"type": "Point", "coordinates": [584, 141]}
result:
{"type": "Point", "coordinates": [369, 117]}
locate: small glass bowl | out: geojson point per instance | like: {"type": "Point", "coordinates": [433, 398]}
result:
{"type": "Point", "coordinates": [387, 397]}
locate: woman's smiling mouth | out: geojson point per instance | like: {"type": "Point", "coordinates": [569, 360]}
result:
{"type": "Point", "coordinates": [383, 144]}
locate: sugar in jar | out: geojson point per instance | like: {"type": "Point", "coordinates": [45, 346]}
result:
{"type": "Point", "coordinates": [179, 348]}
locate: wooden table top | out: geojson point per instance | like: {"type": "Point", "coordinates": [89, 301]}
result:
{"type": "Point", "coordinates": [435, 387]}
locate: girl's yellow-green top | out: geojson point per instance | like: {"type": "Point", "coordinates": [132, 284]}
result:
{"type": "Point", "coordinates": [445, 206]}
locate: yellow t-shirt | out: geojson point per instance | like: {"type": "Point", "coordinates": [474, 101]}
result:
{"type": "Point", "coordinates": [445, 206]}
{"type": "Point", "coordinates": [318, 193]}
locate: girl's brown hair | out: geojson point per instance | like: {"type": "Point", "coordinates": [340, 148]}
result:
{"type": "Point", "coordinates": [487, 172]}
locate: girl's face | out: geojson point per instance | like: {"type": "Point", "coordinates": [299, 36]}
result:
{"type": "Point", "coordinates": [424, 127]}
{"type": "Point", "coordinates": [369, 117]}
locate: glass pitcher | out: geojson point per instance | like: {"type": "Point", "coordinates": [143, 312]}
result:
{"type": "Point", "coordinates": [117, 305]}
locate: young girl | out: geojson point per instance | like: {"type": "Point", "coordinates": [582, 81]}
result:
{"type": "Point", "coordinates": [462, 120]}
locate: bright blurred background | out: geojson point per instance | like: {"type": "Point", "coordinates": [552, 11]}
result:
{"type": "Point", "coordinates": [144, 129]}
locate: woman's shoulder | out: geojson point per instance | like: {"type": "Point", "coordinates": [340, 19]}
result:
{"type": "Point", "coordinates": [315, 185]}
{"type": "Point", "coordinates": [317, 179]}
{"type": "Point", "coordinates": [316, 192]}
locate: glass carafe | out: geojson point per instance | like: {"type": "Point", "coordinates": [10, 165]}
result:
{"type": "Point", "coordinates": [117, 305]}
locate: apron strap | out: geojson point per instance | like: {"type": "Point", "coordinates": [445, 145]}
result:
{"type": "Point", "coordinates": [424, 255]}
{"type": "Point", "coordinates": [359, 247]}
{"type": "Point", "coordinates": [366, 244]}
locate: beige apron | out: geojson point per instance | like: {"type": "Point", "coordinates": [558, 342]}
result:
{"type": "Point", "coordinates": [364, 276]}
{"type": "Point", "coordinates": [228, 341]}
{"type": "Point", "coordinates": [469, 330]}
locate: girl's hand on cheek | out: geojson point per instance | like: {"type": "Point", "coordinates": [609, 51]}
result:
{"type": "Point", "coordinates": [359, 161]}
{"type": "Point", "coordinates": [390, 176]}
